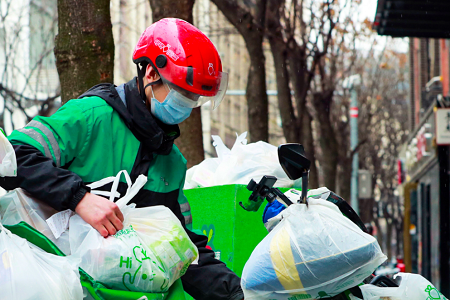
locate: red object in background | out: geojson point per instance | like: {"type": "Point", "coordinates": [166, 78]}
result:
{"type": "Point", "coordinates": [399, 171]}
{"type": "Point", "coordinates": [354, 112]}
{"type": "Point", "coordinates": [401, 264]}
{"type": "Point", "coordinates": [445, 67]}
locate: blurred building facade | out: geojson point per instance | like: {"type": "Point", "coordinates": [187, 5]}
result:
{"type": "Point", "coordinates": [28, 74]}
{"type": "Point", "coordinates": [130, 18]}
{"type": "Point", "coordinates": [424, 178]}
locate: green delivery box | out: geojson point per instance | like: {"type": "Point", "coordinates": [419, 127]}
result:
{"type": "Point", "coordinates": [232, 232]}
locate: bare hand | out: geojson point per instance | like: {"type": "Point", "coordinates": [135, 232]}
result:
{"type": "Point", "coordinates": [101, 214]}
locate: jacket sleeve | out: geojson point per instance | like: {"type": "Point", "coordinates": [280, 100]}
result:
{"type": "Point", "coordinates": [44, 148]}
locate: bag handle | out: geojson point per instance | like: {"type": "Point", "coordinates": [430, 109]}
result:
{"type": "Point", "coordinates": [100, 183]}
{"type": "Point", "coordinates": [115, 185]}
{"type": "Point", "coordinates": [131, 192]}
{"type": "Point", "coordinates": [132, 189]}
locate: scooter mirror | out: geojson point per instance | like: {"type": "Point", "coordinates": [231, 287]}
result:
{"type": "Point", "coordinates": [293, 161]}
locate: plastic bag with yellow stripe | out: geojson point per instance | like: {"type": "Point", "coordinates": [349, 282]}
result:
{"type": "Point", "coordinates": [313, 253]}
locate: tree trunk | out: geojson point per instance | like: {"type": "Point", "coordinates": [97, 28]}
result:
{"type": "Point", "coordinates": [344, 177]}
{"type": "Point", "coordinates": [308, 142]}
{"type": "Point", "coordinates": [256, 93]}
{"type": "Point", "coordinates": [191, 139]}
{"type": "Point", "coordinates": [366, 209]}
{"type": "Point", "coordinates": [380, 236]}
{"type": "Point", "coordinates": [181, 9]}
{"type": "Point", "coordinates": [84, 46]}
{"type": "Point", "coordinates": [389, 238]}
{"type": "Point", "coordinates": [301, 85]}
{"type": "Point", "coordinates": [327, 138]}
{"type": "Point", "coordinates": [289, 122]}
{"type": "Point", "coordinates": [251, 27]}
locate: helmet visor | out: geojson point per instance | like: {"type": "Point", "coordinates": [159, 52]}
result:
{"type": "Point", "coordinates": [215, 100]}
{"type": "Point", "coordinates": [201, 97]}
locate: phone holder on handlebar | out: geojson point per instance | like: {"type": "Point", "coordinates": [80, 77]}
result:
{"type": "Point", "coordinates": [295, 165]}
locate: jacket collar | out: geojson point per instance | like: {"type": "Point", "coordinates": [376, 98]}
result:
{"type": "Point", "coordinates": [155, 136]}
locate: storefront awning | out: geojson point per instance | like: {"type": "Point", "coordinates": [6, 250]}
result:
{"type": "Point", "coordinates": [413, 18]}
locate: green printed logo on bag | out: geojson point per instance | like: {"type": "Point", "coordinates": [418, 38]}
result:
{"type": "Point", "coordinates": [140, 256]}
{"type": "Point", "coordinates": [433, 293]}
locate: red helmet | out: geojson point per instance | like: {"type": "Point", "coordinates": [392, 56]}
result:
{"type": "Point", "coordinates": [184, 57]}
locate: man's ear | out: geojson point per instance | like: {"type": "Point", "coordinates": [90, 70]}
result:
{"type": "Point", "coordinates": [151, 74]}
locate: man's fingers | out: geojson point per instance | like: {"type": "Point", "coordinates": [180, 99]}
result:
{"type": "Point", "coordinates": [116, 222]}
{"type": "Point", "coordinates": [102, 230]}
{"type": "Point", "coordinates": [110, 228]}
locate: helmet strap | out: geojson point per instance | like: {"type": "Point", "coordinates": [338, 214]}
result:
{"type": "Point", "coordinates": [141, 74]}
{"type": "Point", "coordinates": [153, 83]}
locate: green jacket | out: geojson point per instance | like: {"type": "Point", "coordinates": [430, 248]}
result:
{"type": "Point", "coordinates": [90, 138]}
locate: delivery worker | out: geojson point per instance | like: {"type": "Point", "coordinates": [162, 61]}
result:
{"type": "Point", "coordinates": [131, 127]}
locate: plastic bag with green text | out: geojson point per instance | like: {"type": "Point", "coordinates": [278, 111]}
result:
{"type": "Point", "coordinates": [148, 255]}
{"type": "Point", "coordinates": [412, 287]}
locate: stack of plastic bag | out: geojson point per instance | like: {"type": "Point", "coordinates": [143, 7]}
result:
{"type": "Point", "coordinates": [412, 287]}
{"type": "Point", "coordinates": [238, 165]}
{"type": "Point", "coordinates": [18, 206]}
{"type": "Point", "coordinates": [313, 252]}
{"type": "Point", "coordinates": [29, 273]}
{"type": "Point", "coordinates": [8, 163]}
{"type": "Point", "coordinates": [147, 255]}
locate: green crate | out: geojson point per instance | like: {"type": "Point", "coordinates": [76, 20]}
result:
{"type": "Point", "coordinates": [232, 232]}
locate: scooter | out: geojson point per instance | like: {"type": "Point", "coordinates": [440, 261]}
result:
{"type": "Point", "coordinates": [295, 164]}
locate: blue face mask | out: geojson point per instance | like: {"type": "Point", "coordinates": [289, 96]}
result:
{"type": "Point", "coordinates": [175, 109]}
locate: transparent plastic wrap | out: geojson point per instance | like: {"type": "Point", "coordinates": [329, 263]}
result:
{"type": "Point", "coordinates": [412, 287]}
{"type": "Point", "coordinates": [238, 165]}
{"type": "Point", "coordinates": [29, 273]}
{"type": "Point", "coordinates": [8, 162]}
{"type": "Point", "coordinates": [313, 252]}
{"type": "Point", "coordinates": [147, 255]}
{"type": "Point", "coordinates": [17, 206]}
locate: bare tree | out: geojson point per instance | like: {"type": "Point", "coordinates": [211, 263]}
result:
{"type": "Point", "coordinates": [84, 47]}
{"type": "Point", "coordinates": [28, 78]}
{"type": "Point", "coordinates": [383, 121]}
{"type": "Point", "coordinates": [311, 46]}
{"type": "Point", "coordinates": [248, 17]}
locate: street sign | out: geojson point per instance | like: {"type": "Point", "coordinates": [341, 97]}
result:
{"type": "Point", "coordinates": [443, 126]}
{"type": "Point", "coordinates": [354, 112]}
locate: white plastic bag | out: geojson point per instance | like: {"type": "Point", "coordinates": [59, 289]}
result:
{"type": "Point", "coordinates": [17, 206]}
{"type": "Point", "coordinates": [8, 163]}
{"type": "Point", "coordinates": [148, 255]}
{"type": "Point", "coordinates": [295, 196]}
{"type": "Point", "coordinates": [29, 273]}
{"type": "Point", "coordinates": [313, 252]}
{"type": "Point", "coordinates": [238, 165]}
{"type": "Point", "coordinates": [412, 287]}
